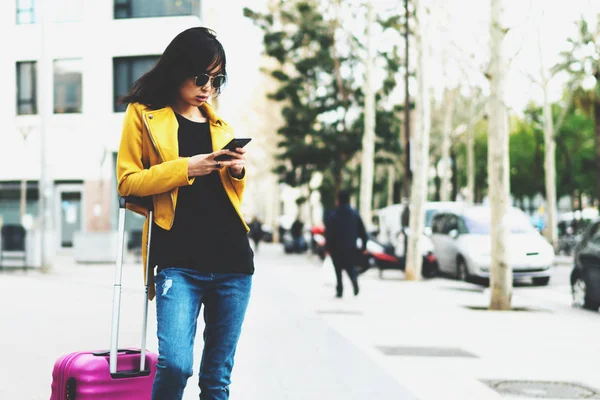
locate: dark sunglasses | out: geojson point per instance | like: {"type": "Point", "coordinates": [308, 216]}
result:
{"type": "Point", "coordinates": [216, 81]}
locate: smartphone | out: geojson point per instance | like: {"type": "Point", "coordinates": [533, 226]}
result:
{"type": "Point", "coordinates": [232, 145]}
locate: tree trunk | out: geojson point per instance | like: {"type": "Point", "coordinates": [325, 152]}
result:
{"type": "Point", "coordinates": [597, 140]}
{"type": "Point", "coordinates": [454, 180]}
{"type": "Point", "coordinates": [390, 185]}
{"type": "Point", "coordinates": [498, 164]}
{"type": "Point", "coordinates": [408, 174]}
{"type": "Point", "coordinates": [550, 172]}
{"type": "Point", "coordinates": [310, 209]}
{"type": "Point", "coordinates": [437, 182]}
{"type": "Point", "coordinates": [368, 141]}
{"type": "Point", "coordinates": [446, 144]}
{"type": "Point", "coordinates": [470, 165]}
{"type": "Point", "coordinates": [272, 207]}
{"type": "Point", "coordinates": [414, 258]}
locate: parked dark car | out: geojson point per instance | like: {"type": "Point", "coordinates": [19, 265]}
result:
{"type": "Point", "coordinates": [585, 276]}
{"type": "Point", "coordinates": [267, 234]}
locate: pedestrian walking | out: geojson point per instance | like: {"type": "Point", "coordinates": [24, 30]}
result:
{"type": "Point", "coordinates": [170, 139]}
{"type": "Point", "coordinates": [256, 232]}
{"type": "Point", "coordinates": [297, 231]}
{"type": "Point", "coordinates": [342, 230]}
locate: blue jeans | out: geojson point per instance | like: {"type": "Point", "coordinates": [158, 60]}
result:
{"type": "Point", "coordinates": [179, 296]}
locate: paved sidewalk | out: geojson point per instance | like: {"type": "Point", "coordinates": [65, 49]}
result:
{"type": "Point", "coordinates": [438, 339]}
{"type": "Point", "coordinates": [287, 351]}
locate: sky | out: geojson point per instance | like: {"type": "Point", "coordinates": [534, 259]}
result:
{"type": "Point", "coordinates": [458, 31]}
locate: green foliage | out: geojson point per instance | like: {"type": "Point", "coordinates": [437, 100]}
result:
{"type": "Point", "coordinates": [526, 153]}
{"type": "Point", "coordinates": [575, 164]}
{"type": "Point", "coordinates": [574, 153]}
{"type": "Point", "coordinates": [321, 98]}
{"type": "Point", "coordinates": [582, 61]}
{"type": "Point", "coordinates": [575, 158]}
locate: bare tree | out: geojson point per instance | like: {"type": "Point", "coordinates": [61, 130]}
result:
{"type": "Point", "coordinates": [470, 111]}
{"type": "Point", "coordinates": [368, 141]}
{"type": "Point", "coordinates": [470, 164]}
{"type": "Point", "coordinates": [414, 259]}
{"type": "Point", "coordinates": [446, 161]}
{"type": "Point", "coordinates": [476, 109]}
{"type": "Point", "coordinates": [498, 163]}
{"type": "Point", "coordinates": [406, 132]}
{"type": "Point", "coordinates": [550, 127]}
{"type": "Point", "coordinates": [550, 168]}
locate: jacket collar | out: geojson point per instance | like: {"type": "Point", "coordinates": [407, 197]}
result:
{"type": "Point", "coordinates": [206, 108]}
{"type": "Point", "coordinates": [162, 126]}
{"type": "Point", "coordinates": [213, 118]}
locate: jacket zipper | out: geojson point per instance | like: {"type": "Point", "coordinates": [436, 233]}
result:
{"type": "Point", "coordinates": [161, 160]}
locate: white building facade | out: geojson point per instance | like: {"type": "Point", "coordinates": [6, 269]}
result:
{"type": "Point", "coordinates": [61, 79]}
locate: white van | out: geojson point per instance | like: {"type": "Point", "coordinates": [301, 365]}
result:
{"type": "Point", "coordinates": [390, 226]}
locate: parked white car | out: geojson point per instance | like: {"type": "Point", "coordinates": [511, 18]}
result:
{"type": "Point", "coordinates": [392, 234]}
{"type": "Point", "coordinates": [390, 227]}
{"type": "Point", "coordinates": [462, 244]}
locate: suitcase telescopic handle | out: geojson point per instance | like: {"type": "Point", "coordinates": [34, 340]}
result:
{"type": "Point", "coordinates": [116, 313]}
{"type": "Point", "coordinates": [145, 202]}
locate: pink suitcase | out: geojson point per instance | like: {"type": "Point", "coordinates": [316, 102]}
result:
{"type": "Point", "coordinates": [119, 374]}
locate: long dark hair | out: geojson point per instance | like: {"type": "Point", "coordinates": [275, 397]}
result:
{"type": "Point", "coordinates": [190, 53]}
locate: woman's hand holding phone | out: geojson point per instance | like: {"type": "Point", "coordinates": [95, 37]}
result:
{"type": "Point", "coordinates": [230, 156]}
{"type": "Point", "coordinates": [204, 164]}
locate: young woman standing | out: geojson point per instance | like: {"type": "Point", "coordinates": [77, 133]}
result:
{"type": "Point", "coordinates": [171, 137]}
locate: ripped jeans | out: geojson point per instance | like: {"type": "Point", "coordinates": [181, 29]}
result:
{"type": "Point", "coordinates": [179, 296]}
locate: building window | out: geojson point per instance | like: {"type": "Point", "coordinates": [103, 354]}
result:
{"type": "Point", "coordinates": [10, 201]}
{"type": "Point", "coordinates": [67, 86]}
{"type": "Point", "coordinates": [26, 83]}
{"type": "Point", "coordinates": [67, 10]}
{"type": "Point", "coordinates": [25, 12]}
{"type": "Point", "coordinates": [155, 8]}
{"type": "Point", "coordinates": [126, 70]}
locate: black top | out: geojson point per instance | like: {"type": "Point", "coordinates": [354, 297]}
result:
{"type": "Point", "coordinates": [207, 234]}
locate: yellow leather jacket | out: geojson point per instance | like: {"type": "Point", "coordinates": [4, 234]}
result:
{"type": "Point", "coordinates": [148, 164]}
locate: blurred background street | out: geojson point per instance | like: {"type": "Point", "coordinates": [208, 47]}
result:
{"type": "Point", "coordinates": [469, 143]}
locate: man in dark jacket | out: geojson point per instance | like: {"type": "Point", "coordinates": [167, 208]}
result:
{"type": "Point", "coordinates": [342, 229]}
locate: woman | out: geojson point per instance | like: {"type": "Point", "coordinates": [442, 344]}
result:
{"type": "Point", "coordinates": [200, 245]}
